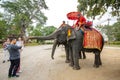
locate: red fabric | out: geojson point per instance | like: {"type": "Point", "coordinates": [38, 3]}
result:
{"type": "Point", "coordinates": [89, 23]}
{"type": "Point", "coordinates": [73, 15]}
{"type": "Point", "coordinates": [92, 39]}
{"type": "Point", "coordinates": [81, 20]}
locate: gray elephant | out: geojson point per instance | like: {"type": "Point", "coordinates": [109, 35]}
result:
{"type": "Point", "coordinates": [75, 44]}
{"type": "Point", "coordinates": [58, 40]}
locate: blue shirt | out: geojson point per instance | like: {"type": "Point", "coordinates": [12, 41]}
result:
{"type": "Point", "coordinates": [14, 51]}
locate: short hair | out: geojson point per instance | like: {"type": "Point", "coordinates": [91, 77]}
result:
{"type": "Point", "coordinates": [12, 39]}
{"type": "Point", "coordinates": [63, 21]}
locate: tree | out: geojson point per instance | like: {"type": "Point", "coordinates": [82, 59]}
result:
{"type": "Point", "coordinates": [48, 30]}
{"type": "Point", "coordinates": [7, 29]}
{"type": "Point", "coordinates": [41, 30]}
{"type": "Point", "coordinates": [112, 31]}
{"type": "Point", "coordinates": [36, 31]}
{"type": "Point", "coordinates": [93, 8]}
{"type": "Point", "coordinates": [22, 13]}
{"type": "Point", "coordinates": [116, 31]}
{"type": "Point", "coordinates": [3, 29]}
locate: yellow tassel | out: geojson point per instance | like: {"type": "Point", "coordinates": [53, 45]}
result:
{"type": "Point", "coordinates": [69, 32]}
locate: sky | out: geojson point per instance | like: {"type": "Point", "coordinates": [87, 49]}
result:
{"type": "Point", "coordinates": [59, 8]}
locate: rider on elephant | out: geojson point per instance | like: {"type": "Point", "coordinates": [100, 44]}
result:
{"type": "Point", "coordinates": [88, 25]}
{"type": "Point", "coordinates": [63, 24]}
{"type": "Point", "coordinates": [81, 21]}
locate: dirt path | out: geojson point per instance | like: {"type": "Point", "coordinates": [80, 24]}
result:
{"type": "Point", "coordinates": [38, 65]}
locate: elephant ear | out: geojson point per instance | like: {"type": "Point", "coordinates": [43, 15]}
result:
{"type": "Point", "coordinates": [71, 34]}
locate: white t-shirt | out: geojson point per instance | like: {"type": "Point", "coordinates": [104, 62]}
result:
{"type": "Point", "coordinates": [20, 43]}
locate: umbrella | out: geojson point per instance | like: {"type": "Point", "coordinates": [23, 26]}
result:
{"type": "Point", "coordinates": [73, 15]}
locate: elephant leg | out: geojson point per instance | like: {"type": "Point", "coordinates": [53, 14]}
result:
{"type": "Point", "coordinates": [96, 62]}
{"type": "Point", "coordinates": [84, 56]}
{"type": "Point", "coordinates": [100, 62]}
{"type": "Point", "coordinates": [80, 55]}
{"type": "Point", "coordinates": [71, 57]}
{"type": "Point", "coordinates": [76, 58]}
{"type": "Point", "coordinates": [67, 54]}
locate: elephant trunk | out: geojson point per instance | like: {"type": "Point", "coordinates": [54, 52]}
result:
{"type": "Point", "coordinates": [49, 37]}
{"type": "Point", "coordinates": [53, 49]}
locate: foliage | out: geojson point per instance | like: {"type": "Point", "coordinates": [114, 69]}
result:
{"type": "Point", "coordinates": [112, 31]}
{"type": "Point", "coordinates": [93, 8]}
{"type": "Point", "coordinates": [116, 31]}
{"type": "Point", "coordinates": [48, 30]}
{"type": "Point", "coordinates": [21, 13]}
{"type": "Point", "coordinates": [114, 42]}
{"type": "Point", "coordinates": [3, 28]}
{"type": "Point", "coordinates": [35, 31]}
{"type": "Point", "coordinates": [0, 45]}
{"type": "Point", "coordinates": [40, 30]}
{"type": "Point", "coordinates": [7, 30]}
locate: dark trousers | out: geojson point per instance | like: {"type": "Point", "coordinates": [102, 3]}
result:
{"type": "Point", "coordinates": [13, 67]}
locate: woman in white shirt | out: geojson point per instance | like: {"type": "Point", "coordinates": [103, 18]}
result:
{"type": "Point", "coordinates": [5, 51]}
{"type": "Point", "coordinates": [20, 42]}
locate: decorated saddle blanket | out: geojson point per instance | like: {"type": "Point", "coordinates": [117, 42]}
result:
{"type": "Point", "coordinates": [92, 39]}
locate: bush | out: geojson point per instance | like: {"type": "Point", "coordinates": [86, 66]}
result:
{"type": "Point", "coordinates": [115, 42]}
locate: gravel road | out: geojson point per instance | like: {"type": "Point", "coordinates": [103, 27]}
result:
{"type": "Point", "coordinates": [36, 64]}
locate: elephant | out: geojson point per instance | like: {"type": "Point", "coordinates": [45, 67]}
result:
{"type": "Point", "coordinates": [58, 40]}
{"type": "Point", "coordinates": [82, 55]}
{"type": "Point", "coordinates": [75, 44]}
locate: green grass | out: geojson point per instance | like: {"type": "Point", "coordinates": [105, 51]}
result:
{"type": "Point", "coordinates": [32, 44]}
{"type": "Point", "coordinates": [36, 44]}
{"type": "Point", "coordinates": [114, 42]}
{"type": "Point", "coordinates": [27, 44]}
{"type": "Point", "coordinates": [0, 45]}
{"type": "Point", "coordinates": [112, 45]}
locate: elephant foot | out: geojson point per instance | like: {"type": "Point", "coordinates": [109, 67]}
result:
{"type": "Point", "coordinates": [71, 65]}
{"type": "Point", "coordinates": [84, 57]}
{"type": "Point", "coordinates": [76, 68]}
{"type": "Point", "coordinates": [96, 66]}
{"type": "Point", "coordinates": [67, 61]}
{"type": "Point", "coordinates": [100, 64]}
{"type": "Point", "coordinates": [80, 57]}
